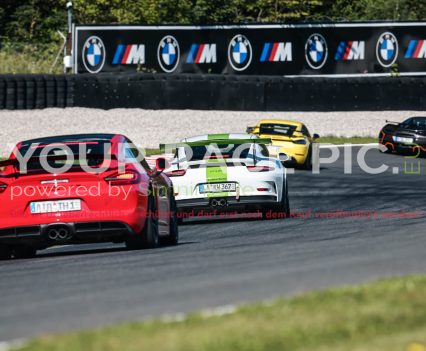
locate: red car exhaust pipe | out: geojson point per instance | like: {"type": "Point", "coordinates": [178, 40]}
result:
{"type": "Point", "coordinates": [59, 234]}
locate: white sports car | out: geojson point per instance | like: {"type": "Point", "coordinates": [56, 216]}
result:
{"type": "Point", "coordinates": [228, 172]}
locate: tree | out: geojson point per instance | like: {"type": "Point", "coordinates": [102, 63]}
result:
{"type": "Point", "coordinates": [32, 21]}
{"type": "Point", "coordinates": [192, 11]}
{"type": "Point", "coordinates": [375, 9]}
{"type": "Point", "coordinates": [253, 10]}
{"type": "Point", "coordinates": [282, 10]}
{"type": "Point", "coordinates": [133, 11]}
{"type": "Point", "coordinates": [36, 21]}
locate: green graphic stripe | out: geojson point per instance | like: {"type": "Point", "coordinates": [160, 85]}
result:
{"type": "Point", "coordinates": [216, 174]}
{"type": "Point", "coordinates": [218, 136]}
{"type": "Point", "coordinates": [263, 141]}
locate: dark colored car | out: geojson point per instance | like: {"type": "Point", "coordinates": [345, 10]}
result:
{"type": "Point", "coordinates": [408, 136]}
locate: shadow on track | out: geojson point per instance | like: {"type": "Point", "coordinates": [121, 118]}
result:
{"type": "Point", "coordinates": [219, 219]}
{"type": "Point", "coordinates": [73, 250]}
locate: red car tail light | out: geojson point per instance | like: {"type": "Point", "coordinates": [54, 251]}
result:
{"type": "Point", "coordinates": [176, 173]}
{"type": "Point", "coordinates": [126, 178]}
{"type": "Point", "coordinates": [3, 187]}
{"type": "Point", "coordinates": [260, 168]}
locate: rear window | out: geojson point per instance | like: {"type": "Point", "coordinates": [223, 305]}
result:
{"type": "Point", "coordinates": [277, 129]}
{"type": "Point", "coordinates": [94, 153]}
{"type": "Point", "coordinates": [223, 151]}
{"type": "Point", "coordinates": [415, 122]}
{"type": "Point", "coordinates": [217, 151]}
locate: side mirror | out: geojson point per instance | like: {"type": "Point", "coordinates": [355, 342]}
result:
{"type": "Point", "coordinates": [250, 130]}
{"type": "Point", "coordinates": [161, 164]}
{"type": "Point", "coordinates": [315, 136]}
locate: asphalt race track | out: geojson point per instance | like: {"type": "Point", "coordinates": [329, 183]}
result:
{"type": "Point", "coordinates": [231, 261]}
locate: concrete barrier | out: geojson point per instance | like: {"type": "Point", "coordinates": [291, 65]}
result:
{"type": "Point", "coordinates": [212, 92]}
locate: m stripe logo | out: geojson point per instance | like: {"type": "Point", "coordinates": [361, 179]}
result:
{"type": "Point", "coordinates": [202, 53]}
{"type": "Point", "coordinates": [276, 52]}
{"type": "Point", "coordinates": [416, 49]}
{"type": "Point", "coordinates": [129, 55]}
{"type": "Point", "coordinates": [350, 50]}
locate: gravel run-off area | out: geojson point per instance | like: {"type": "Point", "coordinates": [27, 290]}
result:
{"type": "Point", "coordinates": [149, 128]}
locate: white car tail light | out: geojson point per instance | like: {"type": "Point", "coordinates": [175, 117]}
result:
{"type": "Point", "coordinates": [176, 173]}
{"type": "Point", "coordinates": [260, 168]}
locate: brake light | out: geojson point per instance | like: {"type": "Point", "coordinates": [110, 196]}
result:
{"type": "Point", "coordinates": [260, 168]}
{"type": "Point", "coordinates": [3, 187]}
{"type": "Point", "coordinates": [126, 178]}
{"type": "Point", "coordinates": [176, 173]}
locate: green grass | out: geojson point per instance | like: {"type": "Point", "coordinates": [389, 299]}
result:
{"type": "Point", "coordinates": [385, 315]}
{"type": "Point", "coordinates": [330, 139]}
{"type": "Point", "coordinates": [152, 152]}
{"type": "Point", "coordinates": [29, 59]}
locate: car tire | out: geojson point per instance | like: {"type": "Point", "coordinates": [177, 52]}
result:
{"type": "Point", "coordinates": [283, 208]}
{"type": "Point", "coordinates": [285, 201]}
{"type": "Point", "coordinates": [23, 252]}
{"type": "Point", "coordinates": [149, 237]}
{"type": "Point", "coordinates": [307, 165]}
{"type": "Point", "coordinates": [173, 238]}
{"type": "Point", "coordinates": [5, 253]}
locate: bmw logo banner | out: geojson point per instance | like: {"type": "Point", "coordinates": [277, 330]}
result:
{"type": "Point", "coordinates": [346, 49]}
{"type": "Point", "coordinates": [239, 53]}
{"type": "Point", "coordinates": [93, 54]}
{"type": "Point", "coordinates": [387, 49]}
{"type": "Point", "coordinates": [168, 54]}
{"type": "Point", "coordinates": [316, 51]}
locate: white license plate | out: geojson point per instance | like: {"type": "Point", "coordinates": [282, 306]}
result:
{"type": "Point", "coordinates": [218, 188]}
{"type": "Point", "coordinates": [55, 206]}
{"type": "Point", "coordinates": [403, 140]}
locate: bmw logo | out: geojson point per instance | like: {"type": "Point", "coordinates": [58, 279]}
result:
{"type": "Point", "coordinates": [316, 51]}
{"type": "Point", "coordinates": [387, 49]}
{"type": "Point", "coordinates": [239, 53]}
{"type": "Point", "coordinates": [94, 54]}
{"type": "Point", "coordinates": [168, 54]}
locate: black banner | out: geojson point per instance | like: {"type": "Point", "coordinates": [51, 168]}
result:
{"type": "Point", "coordinates": [339, 49]}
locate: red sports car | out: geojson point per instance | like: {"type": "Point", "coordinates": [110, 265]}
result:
{"type": "Point", "coordinates": [83, 189]}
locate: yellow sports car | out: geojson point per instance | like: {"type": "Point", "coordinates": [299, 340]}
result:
{"type": "Point", "coordinates": [289, 137]}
